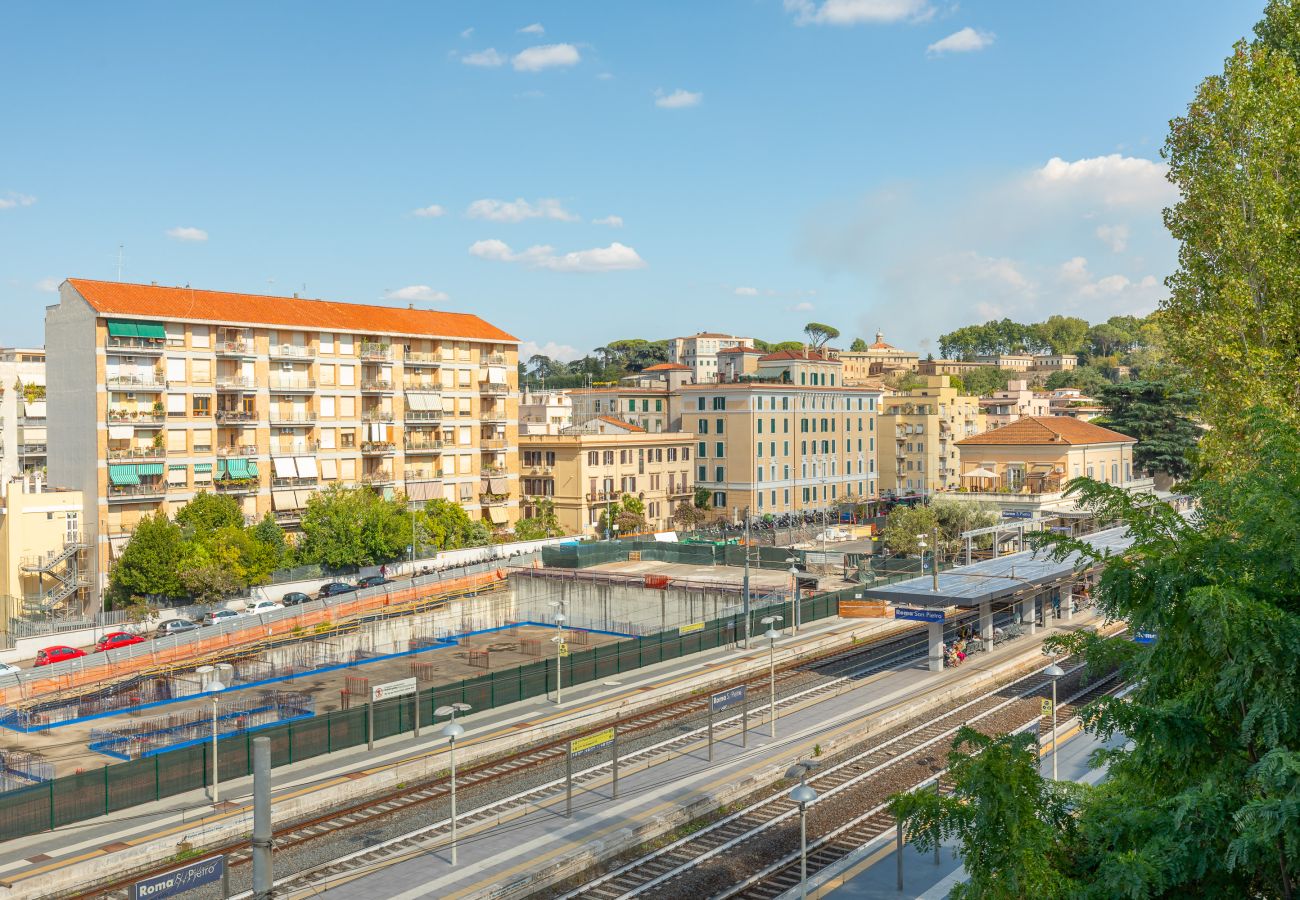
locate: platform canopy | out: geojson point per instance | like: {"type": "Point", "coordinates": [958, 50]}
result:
{"type": "Point", "coordinates": [993, 579]}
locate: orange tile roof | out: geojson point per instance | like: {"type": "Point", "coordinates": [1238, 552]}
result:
{"type": "Point", "coordinates": [1047, 430]}
{"type": "Point", "coordinates": [664, 367]}
{"type": "Point", "coordinates": [113, 298]}
{"type": "Point", "coordinates": [621, 423]}
{"type": "Point", "coordinates": [810, 356]}
{"type": "Point", "coordinates": [740, 350]}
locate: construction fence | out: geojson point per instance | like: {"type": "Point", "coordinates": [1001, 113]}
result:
{"type": "Point", "coordinates": [581, 556]}
{"type": "Point", "coordinates": [112, 788]}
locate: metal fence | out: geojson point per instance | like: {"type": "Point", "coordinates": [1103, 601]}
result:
{"type": "Point", "coordinates": [22, 627]}
{"type": "Point", "coordinates": [111, 788]}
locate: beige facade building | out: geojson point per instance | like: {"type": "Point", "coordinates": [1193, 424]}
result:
{"type": "Point", "coordinates": [43, 553]}
{"type": "Point", "coordinates": [880, 358]}
{"type": "Point", "coordinates": [925, 425]}
{"type": "Point", "coordinates": [158, 393]}
{"type": "Point", "coordinates": [699, 352]}
{"type": "Point", "coordinates": [650, 408]}
{"type": "Point", "coordinates": [23, 441]}
{"type": "Point", "coordinates": [585, 466]}
{"type": "Point", "coordinates": [545, 412]}
{"type": "Point", "coordinates": [1016, 402]}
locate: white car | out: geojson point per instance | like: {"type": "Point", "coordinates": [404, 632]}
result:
{"type": "Point", "coordinates": [216, 616]}
{"type": "Point", "coordinates": [262, 606]}
{"type": "Point", "coordinates": [7, 669]}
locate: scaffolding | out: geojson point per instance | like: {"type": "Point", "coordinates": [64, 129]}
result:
{"type": "Point", "coordinates": [20, 769]}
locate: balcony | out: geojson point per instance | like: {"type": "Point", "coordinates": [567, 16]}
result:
{"type": "Point", "coordinates": [493, 389]}
{"type": "Point", "coordinates": [292, 417]}
{"type": "Point", "coordinates": [290, 351]}
{"type": "Point", "coordinates": [238, 450]}
{"type": "Point", "coordinates": [420, 387]}
{"type": "Point", "coordinates": [235, 383]}
{"type": "Point", "coordinates": [422, 415]}
{"type": "Point", "coordinates": [378, 448]}
{"type": "Point", "coordinates": [236, 417]}
{"type": "Point", "coordinates": [236, 349]}
{"type": "Point", "coordinates": [32, 449]}
{"type": "Point", "coordinates": [493, 499]}
{"type": "Point", "coordinates": [537, 470]}
{"type": "Point", "coordinates": [291, 384]}
{"type": "Point", "coordinates": [147, 418]}
{"type": "Point", "coordinates": [382, 476]}
{"type": "Point", "coordinates": [492, 445]}
{"type": "Point", "coordinates": [125, 493]}
{"type": "Point", "coordinates": [150, 383]}
{"type": "Point", "coordinates": [376, 351]}
{"type": "Point", "coordinates": [137, 344]}
{"type": "Point", "coordinates": [376, 386]}
{"type": "Point", "coordinates": [422, 446]}
{"type": "Point", "coordinates": [377, 415]}
{"type": "Point", "coordinates": [139, 453]}
{"type": "Point", "coordinates": [295, 482]}
{"type": "Point", "coordinates": [236, 485]}
{"type": "Point", "coordinates": [494, 359]}
{"type": "Point", "coordinates": [422, 360]}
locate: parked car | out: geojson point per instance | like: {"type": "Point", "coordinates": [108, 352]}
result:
{"type": "Point", "coordinates": [174, 626]}
{"type": "Point", "coordinates": [117, 639]}
{"type": "Point", "coordinates": [214, 616]}
{"type": "Point", "coordinates": [333, 589]}
{"type": "Point", "coordinates": [57, 654]}
{"type": "Point", "coordinates": [262, 606]}
{"type": "Point", "coordinates": [293, 598]}
{"type": "Point", "coordinates": [9, 669]}
{"type": "Point", "coordinates": [369, 581]}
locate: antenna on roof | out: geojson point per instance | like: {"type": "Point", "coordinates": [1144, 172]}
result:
{"type": "Point", "coordinates": [119, 262]}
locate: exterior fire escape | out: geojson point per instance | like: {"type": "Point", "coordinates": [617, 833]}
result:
{"type": "Point", "coordinates": [61, 577]}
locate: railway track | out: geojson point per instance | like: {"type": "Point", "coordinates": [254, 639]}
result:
{"type": "Point", "coordinates": [799, 681]}
{"type": "Point", "coordinates": [903, 761]}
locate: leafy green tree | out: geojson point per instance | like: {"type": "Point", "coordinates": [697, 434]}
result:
{"type": "Point", "coordinates": [270, 535]}
{"type": "Point", "coordinates": [904, 524]}
{"type": "Point", "coordinates": [1159, 415]}
{"type": "Point", "coordinates": [1007, 819]}
{"type": "Point", "coordinates": [543, 523]}
{"type": "Point", "coordinates": [1061, 334]}
{"type": "Point", "coordinates": [446, 526]}
{"type": "Point", "coordinates": [703, 498]}
{"type": "Point", "coordinates": [858, 345]}
{"type": "Point", "coordinates": [148, 563]}
{"type": "Point", "coordinates": [820, 334]}
{"type": "Point", "coordinates": [353, 526]}
{"type": "Point", "coordinates": [955, 516]}
{"type": "Point", "coordinates": [1231, 316]}
{"type": "Point", "coordinates": [1088, 379]}
{"type": "Point", "coordinates": [210, 571]}
{"type": "Point", "coordinates": [628, 513]}
{"type": "Point", "coordinates": [689, 516]}
{"type": "Point", "coordinates": [207, 513]}
{"type": "Point", "coordinates": [982, 382]}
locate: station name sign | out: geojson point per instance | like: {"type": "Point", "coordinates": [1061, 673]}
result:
{"type": "Point", "coordinates": [178, 881]}
{"type": "Point", "coordinates": [728, 698]}
{"type": "Point", "coordinates": [918, 615]}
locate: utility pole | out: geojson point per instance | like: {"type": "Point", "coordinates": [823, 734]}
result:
{"type": "Point", "coordinates": [263, 877]}
{"type": "Point", "coordinates": [934, 559]}
{"type": "Point", "coordinates": [745, 595]}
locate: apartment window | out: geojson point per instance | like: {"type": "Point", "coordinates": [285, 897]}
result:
{"type": "Point", "coordinates": [176, 404]}
{"type": "Point", "coordinates": [249, 405]}
{"type": "Point", "coordinates": [760, 426]}
{"type": "Point", "coordinates": [719, 473]}
{"type": "Point", "coordinates": [593, 457]}
{"type": "Point", "coordinates": [686, 453]}
{"type": "Point", "coordinates": [720, 499]}
{"type": "Point", "coordinates": [608, 457]}
{"type": "Point", "coordinates": [659, 405]}
{"type": "Point", "coordinates": [699, 403]}
{"type": "Point", "coordinates": [803, 426]}
{"type": "Point", "coordinates": [672, 454]}
{"type": "Point", "coordinates": [347, 437]}
{"type": "Point", "coordinates": [719, 423]}
{"type": "Point", "coordinates": [703, 473]}
{"type": "Point", "coordinates": [719, 449]}
{"type": "Point", "coordinates": [703, 427]}
{"type": "Point", "coordinates": [702, 449]}
{"type": "Point", "coordinates": [719, 402]}
{"type": "Point", "coordinates": [203, 405]}
{"type": "Point", "coordinates": [598, 406]}
{"type": "Point", "coordinates": [759, 449]}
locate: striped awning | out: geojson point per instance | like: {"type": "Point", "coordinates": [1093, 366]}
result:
{"type": "Point", "coordinates": [203, 467]}
{"type": "Point", "coordinates": [497, 515]}
{"type": "Point", "coordinates": [237, 467]}
{"type": "Point", "coordinates": [119, 328]}
{"type": "Point", "coordinates": [149, 469]}
{"type": "Point", "coordinates": [123, 474]}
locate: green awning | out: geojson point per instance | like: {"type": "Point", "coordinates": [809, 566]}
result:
{"type": "Point", "coordinates": [237, 468]}
{"type": "Point", "coordinates": [125, 474]}
{"type": "Point", "coordinates": [251, 468]}
{"type": "Point", "coordinates": [149, 469]}
{"type": "Point", "coordinates": [150, 330]}
{"type": "Point", "coordinates": [203, 467]}
{"type": "Point", "coordinates": [121, 329]}
{"type": "Point", "coordinates": [181, 467]}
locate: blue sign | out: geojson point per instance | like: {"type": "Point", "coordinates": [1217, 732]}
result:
{"type": "Point", "coordinates": [918, 615]}
{"type": "Point", "coordinates": [1017, 513]}
{"type": "Point", "coordinates": [728, 698]}
{"type": "Point", "coordinates": [178, 881]}
{"type": "Point", "coordinates": [1144, 637]}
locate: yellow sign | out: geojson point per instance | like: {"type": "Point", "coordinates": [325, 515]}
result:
{"type": "Point", "coordinates": [591, 741]}
{"type": "Point", "coordinates": [564, 648]}
{"type": "Point", "coordinates": [1047, 707]}
{"type": "Point", "coordinates": [688, 629]}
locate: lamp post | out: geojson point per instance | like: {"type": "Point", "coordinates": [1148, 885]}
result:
{"type": "Point", "coordinates": [215, 686]}
{"type": "Point", "coordinates": [803, 795]}
{"type": "Point", "coordinates": [559, 656]}
{"type": "Point", "coordinates": [794, 589]}
{"type": "Point", "coordinates": [1054, 672]}
{"type": "Point", "coordinates": [451, 731]}
{"type": "Point", "coordinates": [772, 634]}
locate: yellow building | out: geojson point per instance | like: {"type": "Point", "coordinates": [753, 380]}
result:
{"type": "Point", "coordinates": [880, 358]}
{"type": "Point", "coordinates": [925, 424]}
{"type": "Point", "coordinates": [160, 392]}
{"type": "Point", "coordinates": [42, 572]}
{"type": "Point", "coordinates": [582, 467]}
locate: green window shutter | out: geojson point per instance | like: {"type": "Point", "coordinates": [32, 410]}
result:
{"type": "Point", "coordinates": [121, 329]}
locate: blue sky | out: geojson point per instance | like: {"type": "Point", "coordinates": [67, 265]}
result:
{"type": "Point", "coordinates": [898, 164]}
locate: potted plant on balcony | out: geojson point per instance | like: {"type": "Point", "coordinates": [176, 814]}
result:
{"type": "Point", "coordinates": [157, 408]}
{"type": "Point", "coordinates": [158, 441]}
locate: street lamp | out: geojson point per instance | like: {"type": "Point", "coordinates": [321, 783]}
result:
{"type": "Point", "coordinates": [803, 795]}
{"type": "Point", "coordinates": [451, 731]}
{"type": "Point", "coordinates": [794, 588]}
{"type": "Point", "coordinates": [772, 634]}
{"type": "Point", "coordinates": [558, 640]}
{"type": "Point", "coordinates": [214, 686]}
{"type": "Point", "coordinates": [1054, 672]}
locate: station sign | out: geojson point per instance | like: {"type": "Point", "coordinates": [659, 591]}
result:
{"type": "Point", "coordinates": [1144, 637]}
{"type": "Point", "coordinates": [1017, 513]}
{"type": "Point", "coordinates": [178, 881]}
{"type": "Point", "coordinates": [591, 741]}
{"type": "Point", "coordinates": [727, 699]}
{"type": "Point", "coordinates": [691, 628]}
{"type": "Point", "coordinates": [388, 691]}
{"type": "Point", "coordinates": [1045, 707]}
{"type": "Point", "coordinates": [918, 615]}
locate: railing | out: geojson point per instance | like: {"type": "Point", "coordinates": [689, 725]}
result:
{"type": "Point", "coordinates": [292, 383]}
{"type": "Point", "coordinates": [235, 416]}
{"type": "Point", "coordinates": [137, 382]}
{"type": "Point", "coordinates": [292, 418]}
{"type": "Point", "coordinates": [291, 448]}
{"type": "Point", "coordinates": [494, 359]}
{"type": "Point", "coordinates": [493, 388]}
{"type": "Point", "coordinates": [235, 348]}
{"type": "Point", "coordinates": [493, 415]}
{"type": "Point", "coordinates": [32, 449]}
{"type": "Point", "coordinates": [137, 453]}
{"type": "Point", "coordinates": [297, 481]}
{"type": "Point", "coordinates": [376, 385]}
{"type": "Point", "coordinates": [135, 344]}
{"type": "Point", "coordinates": [381, 477]}
{"type": "Point", "coordinates": [422, 359]}
{"type": "Point", "coordinates": [423, 446]}
{"type": "Point", "coordinates": [488, 471]}
{"type": "Point", "coordinates": [240, 450]}
{"type": "Point", "coordinates": [234, 382]}
{"type": "Point", "coordinates": [287, 515]}
{"type": "Point", "coordinates": [421, 387]}
{"type": "Point", "coordinates": [131, 491]}
{"type": "Point", "coordinates": [416, 474]}
{"type": "Point", "coordinates": [493, 499]}
{"type": "Point", "coordinates": [289, 351]}
{"type": "Point", "coordinates": [377, 415]}
{"type": "Point", "coordinates": [538, 470]}
{"type": "Point", "coordinates": [422, 415]}
{"type": "Point", "coordinates": [130, 416]}
{"type": "Point", "coordinates": [378, 447]}
{"type": "Point", "coordinates": [493, 444]}
{"type": "Point", "coordinates": [376, 351]}
{"type": "Point", "coordinates": [236, 485]}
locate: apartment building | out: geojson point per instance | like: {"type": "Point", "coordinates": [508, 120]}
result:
{"type": "Point", "coordinates": [786, 444]}
{"type": "Point", "coordinates": [650, 408]}
{"type": "Point", "coordinates": [42, 551]}
{"type": "Point", "coordinates": [699, 352]}
{"type": "Point", "coordinates": [925, 424]}
{"type": "Point", "coordinates": [158, 393]}
{"type": "Point", "coordinates": [23, 443]}
{"type": "Point", "coordinates": [1017, 401]}
{"type": "Point", "coordinates": [880, 358]}
{"type": "Point", "coordinates": [545, 412]}
{"type": "Point", "coordinates": [585, 466]}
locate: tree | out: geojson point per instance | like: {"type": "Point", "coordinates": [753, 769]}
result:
{"type": "Point", "coordinates": [628, 513]}
{"type": "Point", "coordinates": [819, 334]}
{"type": "Point", "coordinates": [689, 516]}
{"type": "Point", "coordinates": [984, 381]}
{"type": "Point", "coordinates": [903, 526]}
{"type": "Point", "coordinates": [1061, 334]}
{"type": "Point", "coordinates": [543, 523]}
{"type": "Point", "coordinates": [270, 535]}
{"type": "Point", "coordinates": [353, 526]}
{"type": "Point", "coordinates": [954, 516]}
{"type": "Point", "coordinates": [148, 563]}
{"type": "Point", "coordinates": [1230, 317]}
{"type": "Point", "coordinates": [858, 345]}
{"type": "Point", "coordinates": [1158, 414]}
{"type": "Point", "coordinates": [703, 498]}
{"type": "Point", "coordinates": [207, 513]}
{"type": "Point", "coordinates": [211, 572]}
{"type": "Point", "coordinates": [1008, 820]}
{"type": "Point", "coordinates": [446, 526]}
{"type": "Point", "coordinates": [1087, 379]}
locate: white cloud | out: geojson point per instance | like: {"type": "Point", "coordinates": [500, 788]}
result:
{"type": "Point", "coordinates": [1114, 236]}
{"type": "Point", "coordinates": [1117, 180]}
{"type": "Point", "coordinates": [48, 285]}
{"type": "Point", "coordinates": [611, 221]}
{"type": "Point", "coordinates": [187, 234]}
{"type": "Point", "coordinates": [429, 212]}
{"type": "Point", "coordinates": [467, 33]}
{"type": "Point", "coordinates": [518, 210]}
{"type": "Point", "coordinates": [421, 293]}
{"type": "Point", "coordinates": [599, 259]}
{"type": "Point", "coordinates": [858, 12]}
{"type": "Point", "coordinates": [545, 56]}
{"type": "Point", "coordinates": [967, 40]}
{"type": "Point", "coordinates": [678, 99]}
{"type": "Point", "coordinates": [1075, 270]}
{"type": "Point", "coordinates": [562, 352]}
{"type": "Point", "coordinates": [606, 76]}
{"type": "Point", "coordinates": [535, 28]}
{"type": "Point", "coordinates": [485, 59]}
{"type": "Point", "coordinates": [805, 306]}
{"type": "Point", "coordinates": [12, 200]}
{"type": "Point", "coordinates": [746, 292]}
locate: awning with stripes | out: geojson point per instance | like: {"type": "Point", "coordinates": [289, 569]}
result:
{"type": "Point", "coordinates": [120, 328]}
{"type": "Point", "coordinates": [149, 469]}
{"type": "Point", "coordinates": [177, 474]}
{"type": "Point", "coordinates": [237, 468]}
{"type": "Point", "coordinates": [423, 490]}
{"type": "Point", "coordinates": [123, 474]}
{"type": "Point", "coordinates": [423, 401]}
{"type": "Point", "coordinates": [498, 515]}
{"type": "Point", "coordinates": [203, 467]}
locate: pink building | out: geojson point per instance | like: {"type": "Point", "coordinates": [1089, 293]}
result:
{"type": "Point", "coordinates": [1017, 401]}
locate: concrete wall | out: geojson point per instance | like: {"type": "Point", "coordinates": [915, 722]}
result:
{"type": "Point", "coordinates": [611, 607]}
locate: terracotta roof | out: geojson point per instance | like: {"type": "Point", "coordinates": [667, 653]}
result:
{"type": "Point", "coordinates": [155, 301]}
{"type": "Point", "coordinates": [664, 367]}
{"type": "Point", "coordinates": [1047, 430]}
{"type": "Point", "coordinates": [712, 334]}
{"type": "Point", "coordinates": [881, 345]}
{"type": "Point", "coordinates": [810, 356]}
{"type": "Point", "coordinates": [739, 350]}
{"type": "Point", "coordinates": [621, 423]}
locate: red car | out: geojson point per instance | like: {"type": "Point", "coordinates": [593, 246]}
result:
{"type": "Point", "coordinates": [57, 654]}
{"type": "Point", "coordinates": [117, 639]}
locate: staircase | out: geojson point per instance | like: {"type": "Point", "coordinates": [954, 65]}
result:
{"type": "Point", "coordinates": [65, 567]}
